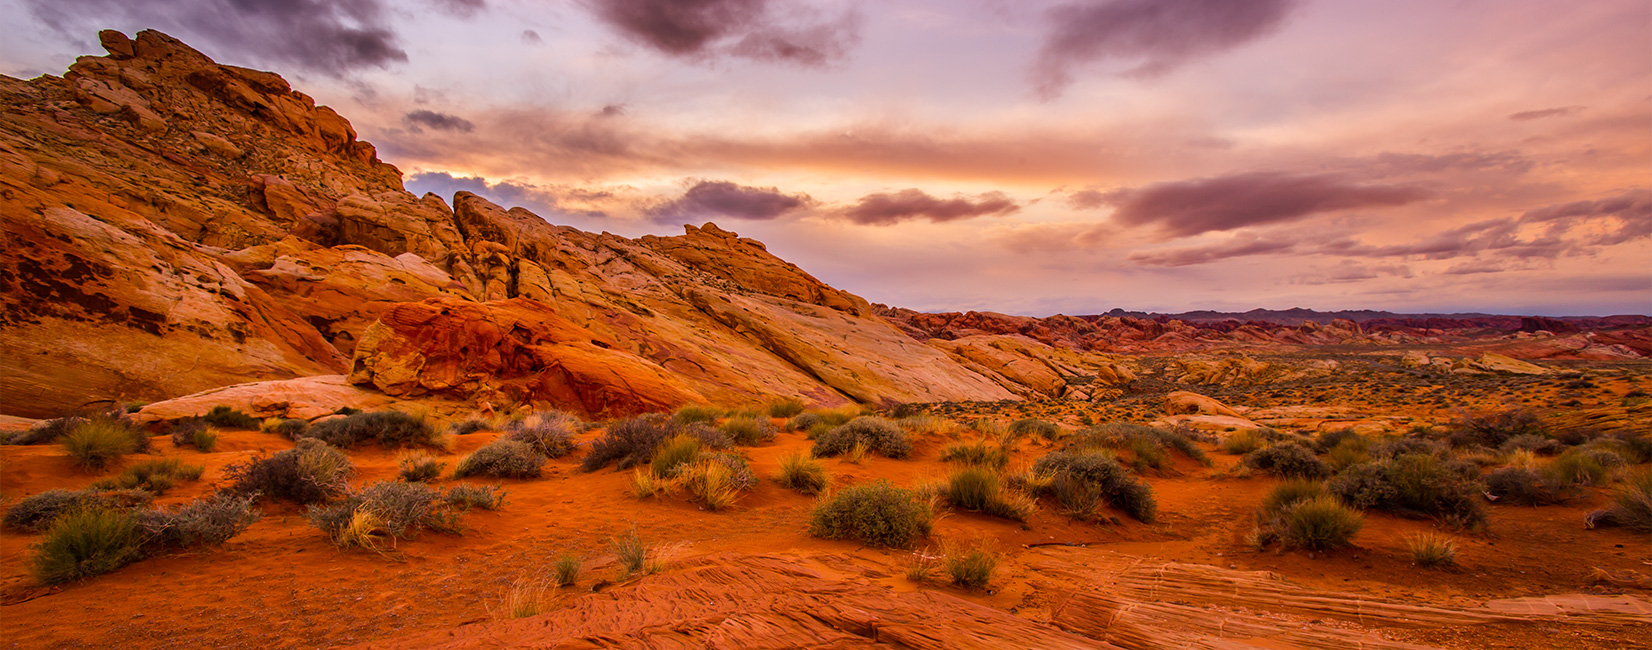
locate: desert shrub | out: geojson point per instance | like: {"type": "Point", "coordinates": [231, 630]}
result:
{"type": "Point", "coordinates": [740, 475]}
{"type": "Point", "coordinates": [398, 510]}
{"type": "Point", "coordinates": [1414, 485]}
{"type": "Point", "coordinates": [1394, 447]}
{"type": "Point", "coordinates": [800, 471]}
{"type": "Point", "coordinates": [748, 431]}
{"type": "Point", "coordinates": [209, 520]}
{"type": "Point", "coordinates": [1431, 550]}
{"type": "Point", "coordinates": [711, 482]}
{"type": "Point", "coordinates": [187, 432]}
{"type": "Point", "coordinates": [1289, 493]}
{"type": "Point", "coordinates": [225, 417]}
{"type": "Point", "coordinates": [95, 443]}
{"type": "Point", "coordinates": [502, 458]}
{"type": "Point", "coordinates": [467, 427]}
{"type": "Point", "coordinates": [631, 552]}
{"type": "Point", "coordinates": [1634, 448]}
{"type": "Point", "coordinates": [388, 428]}
{"type": "Point", "coordinates": [551, 433]}
{"type": "Point", "coordinates": [924, 424]}
{"type": "Point", "coordinates": [1532, 443]}
{"type": "Point", "coordinates": [680, 450]}
{"type": "Point", "coordinates": [1145, 454]}
{"type": "Point", "coordinates": [971, 487]}
{"type": "Point", "coordinates": [465, 496]}
{"type": "Point", "coordinates": [970, 567]}
{"type": "Point", "coordinates": [980, 452]}
{"type": "Point", "coordinates": [46, 431]}
{"type": "Point", "coordinates": [310, 472]}
{"type": "Point", "coordinates": [1147, 444]}
{"type": "Point", "coordinates": [1243, 442]}
{"type": "Point", "coordinates": [566, 570]}
{"type": "Point", "coordinates": [1349, 451]}
{"type": "Point", "coordinates": [1631, 504]}
{"type": "Point", "coordinates": [1527, 486]}
{"type": "Point", "coordinates": [804, 421]}
{"type": "Point", "coordinates": [645, 484]}
{"type": "Point", "coordinates": [785, 408]}
{"type": "Point", "coordinates": [878, 434]}
{"type": "Point", "coordinates": [86, 542]}
{"type": "Point", "coordinates": [1287, 459]}
{"type": "Point", "coordinates": [1320, 523]}
{"type": "Point", "coordinates": [697, 413]}
{"type": "Point", "coordinates": [629, 442]}
{"type": "Point", "coordinates": [1035, 427]}
{"type": "Point", "coordinates": [1328, 440]}
{"type": "Point", "coordinates": [290, 428]}
{"type": "Point", "coordinates": [1584, 466]}
{"type": "Point", "coordinates": [1080, 474]}
{"type": "Point", "coordinates": [36, 512]}
{"type": "Point", "coordinates": [875, 513]}
{"type": "Point", "coordinates": [1494, 428]}
{"type": "Point", "coordinates": [156, 476]}
{"type": "Point", "coordinates": [419, 467]}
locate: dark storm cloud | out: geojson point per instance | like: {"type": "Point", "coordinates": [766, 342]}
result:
{"type": "Point", "coordinates": [438, 121]}
{"type": "Point", "coordinates": [905, 205]}
{"type": "Point", "coordinates": [1562, 111]}
{"type": "Point", "coordinates": [752, 29]}
{"type": "Point", "coordinates": [725, 199]}
{"type": "Point", "coordinates": [1191, 207]}
{"type": "Point", "coordinates": [1158, 35]}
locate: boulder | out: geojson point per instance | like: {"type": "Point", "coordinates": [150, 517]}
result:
{"type": "Point", "coordinates": [1493, 362]}
{"type": "Point", "coordinates": [304, 398]}
{"type": "Point", "coordinates": [1185, 403]}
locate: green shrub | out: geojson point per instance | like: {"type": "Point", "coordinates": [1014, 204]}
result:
{"type": "Point", "coordinates": [804, 421]}
{"type": "Point", "coordinates": [95, 443]}
{"type": "Point", "coordinates": [972, 487]}
{"type": "Point", "coordinates": [1100, 475]}
{"type": "Point", "coordinates": [1631, 504]}
{"type": "Point", "coordinates": [1416, 484]}
{"type": "Point", "coordinates": [631, 552]}
{"type": "Point", "coordinates": [291, 428]}
{"type": "Point", "coordinates": [1320, 523]}
{"type": "Point", "coordinates": [800, 471]}
{"type": "Point", "coordinates": [748, 431]}
{"type": "Point", "coordinates": [878, 434]}
{"type": "Point", "coordinates": [697, 413]}
{"type": "Point", "coordinates": [310, 472]}
{"type": "Point", "coordinates": [1291, 492]}
{"type": "Point", "coordinates": [980, 452]}
{"type": "Point", "coordinates": [225, 417]}
{"type": "Point", "coordinates": [1349, 451]}
{"type": "Point", "coordinates": [46, 431]}
{"type": "Point", "coordinates": [1287, 459]}
{"type": "Point", "coordinates": [970, 567]}
{"type": "Point", "coordinates": [36, 512]}
{"type": "Point", "coordinates": [1145, 454]}
{"type": "Point", "coordinates": [1034, 427]}
{"type": "Point", "coordinates": [419, 467]}
{"type": "Point", "coordinates": [551, 433]}
{"type": "Point", "coordinates": [86, 542]}
{"type": "Point", "coordinates": [712, 482]}
{"type": "Point", "coordinates": [1240, 443]}
{"type": "Point", "coordinates": [210, 520]}
{"type": "Point", "coordinates": [1395, 447]}
{"type": "Point", "coordinates": [567, 569]}
{"type": "Point", "coordinates": [875, 513]}
{"type": "Point", "coordinates": [502, 458]}
{"type": "Point", "coordinates": [630, 442]}
{"type": "Point", "coordinates": [156, 476]}
{"type": "Point", "coordinates": [465, 497]}
{"type": "Point", "coordinates": [680, 450]}
{"type": "Point", "coordinates": [388, 428]}
{"type": "Point", "coordinates": [786, 408]}
{"type": "Point", "coordinates": [1494, 428]}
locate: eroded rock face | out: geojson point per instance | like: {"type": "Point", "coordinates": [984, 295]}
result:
{"type": "Point", "coordinates": [516, 351]}
{"type": "Point", "coordinates": [305, 398]}
{"type": "Point", "coordinates": [1032, 369]}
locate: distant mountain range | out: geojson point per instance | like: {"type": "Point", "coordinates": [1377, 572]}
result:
{"type": "Point", "coordinates": [1374, 318]}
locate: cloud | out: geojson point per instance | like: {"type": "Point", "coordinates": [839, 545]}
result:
{"type": "Point", "coordinates": [531, 37]}
{"type": "Point", "coordinates": [1562, 111]}
{"type": "Point", "coordinates": [1240, 245]}
{"type": "Point", "coordinates": [438, 121]}
{"type": "Point", "coordinates": [1184, 208]}
{"type": "Point", "coordinates": [461, 8]}
{"type": "Point", "coordinates": [708, 199]}
{"type": "Point", "coordinates": [333, 37]}
{"type": "Point", "coordinates": [888, 209]}
{"type": "Point", "coordinates": [751, 29]}
{"type": "Point", "coordinates": [1158, 34]}
{"type": "Point", "coordinates": [553, 203]}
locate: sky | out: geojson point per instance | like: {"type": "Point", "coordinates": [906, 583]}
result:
{"type": "Point", "coordinates": [1034, 158]}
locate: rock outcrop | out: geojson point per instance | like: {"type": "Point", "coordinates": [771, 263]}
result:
{"type": "Point", "coordinates": [175, 225]}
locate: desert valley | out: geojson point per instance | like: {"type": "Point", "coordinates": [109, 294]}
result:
{"type": "Point", "coordinates": [258, 394]}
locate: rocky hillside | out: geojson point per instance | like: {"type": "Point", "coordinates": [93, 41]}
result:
{"type": "Point", "coordinates": [175, 225]}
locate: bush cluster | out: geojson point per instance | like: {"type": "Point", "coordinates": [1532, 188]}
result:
{"type": "Point", "coordinates": [876, 434]}
{"type": "Point", "coordinates": [748, 431]}
{"type": "Point", "coordinates": [630, 442]}
{"type": "Point", "coordinates": [1080, 478]}
{"type": "Point", "coordinates": [36, 512]}
{"type": "Point", "coordinates": [193, 432]}
{"type": "Point", "coordinates": [388, 428]}
{"type": "Point", "coordinates": [551, 433]}
{"type": "Point", "coordinates": [875, 513]}
{"type": "Point", "coordinates": [225, 417]}
{"type": "Point", "coordinates": [785, 408]}
{"type": "Point", "coordinates": [1495, 428]}
{"type": "Point", "coordinates": [1035, 427]}
{"type": "Point", "coordinates": [155, 476]}
{"type": "Point", "coordinates": [419, 467]}
{"type": "Point", "coordinates": [1631, 504]}
{"type": "Point", "coordinates": [88, 539]}
{"type": "Point", "coordinates": [1300, 514]}
{"type": "Point", "coordinates": [502, 458]}
{"type": "Point", "coordinates": [1528, 487]}
{"type": "Point", "coordinates": [1415, 484]}
{"type": "Point", "coordinates": [800, 471]}
{"type": "Point", "coordinates": [985, 453]}
{"type": "Point", "coordinates": [95, 443]}
{"type": "Point", "coordinates": [386, 509]}
{"type": "Point", "coordinates": [310, 472]}
{"type": "Point", "coordinates": [1289, 460]}
{"type": "Point", "coordinates": [979, 488]}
